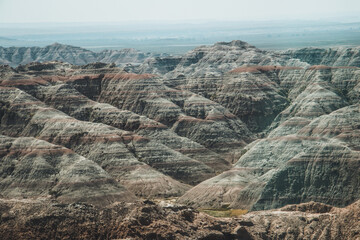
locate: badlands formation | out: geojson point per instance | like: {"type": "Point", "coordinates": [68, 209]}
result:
{"type": "Point", "coordinates": [83, 142]}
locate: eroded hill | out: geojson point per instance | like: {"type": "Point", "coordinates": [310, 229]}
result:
{"type": "Point", "coordinates": [223, 125]}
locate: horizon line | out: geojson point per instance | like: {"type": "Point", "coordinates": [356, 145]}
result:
{"type": "Point", "coordinates": [195, 21]}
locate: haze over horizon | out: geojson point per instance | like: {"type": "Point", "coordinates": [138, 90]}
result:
{"type": "Point", "coordinates": [176, 27]}
{"type": "Point", "coordinates": [45, 11]}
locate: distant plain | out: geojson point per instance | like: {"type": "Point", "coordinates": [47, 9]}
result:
{"type": "Point", "coordinates": [179, 37]}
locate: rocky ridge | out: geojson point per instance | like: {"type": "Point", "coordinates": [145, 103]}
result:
{"type": "Point", "coordinates": [15, 56]}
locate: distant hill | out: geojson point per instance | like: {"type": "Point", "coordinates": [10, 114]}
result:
{"type": "Point", "coordinates": [15, 56]}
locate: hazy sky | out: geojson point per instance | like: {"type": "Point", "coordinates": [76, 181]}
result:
{"type": "Point", "coordinates": [129, 10]}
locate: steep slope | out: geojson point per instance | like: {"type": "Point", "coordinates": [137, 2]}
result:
{"type": "Point", "coordinates": [208, 114]}
{"type": "Point", "coordinates": [282, 170]}
{"type": "Point", "coordinates": [56, 91]}
{"type": "Point", "coordinates": [295, 163]}
{"type": "Point", "coordinates": [32, 168]}
{"type": "Point", "coordinates": [113, 149]}
{"type": "Point", "coordinates": [65, 98]}
{"type": "Point", "coordinates": [252, 94]}
{"type": "Point", "coordinates": [201, 123]}
{"type": "Point", "coordinates": [187, 114]}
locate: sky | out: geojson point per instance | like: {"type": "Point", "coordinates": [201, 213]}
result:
{"type": "Point", "coordinates": [49, 11]}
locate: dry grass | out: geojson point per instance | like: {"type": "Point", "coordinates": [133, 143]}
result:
{"type": "Point", "coordinates": [237, 212]}
{"type": "Point", "coordinates": [224, 212]}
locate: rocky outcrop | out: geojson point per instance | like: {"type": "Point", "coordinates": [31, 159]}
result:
{"type": "Point", "coordinates": [43, 220]}
{"type": "Point", "coordinates": [308, 221]}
